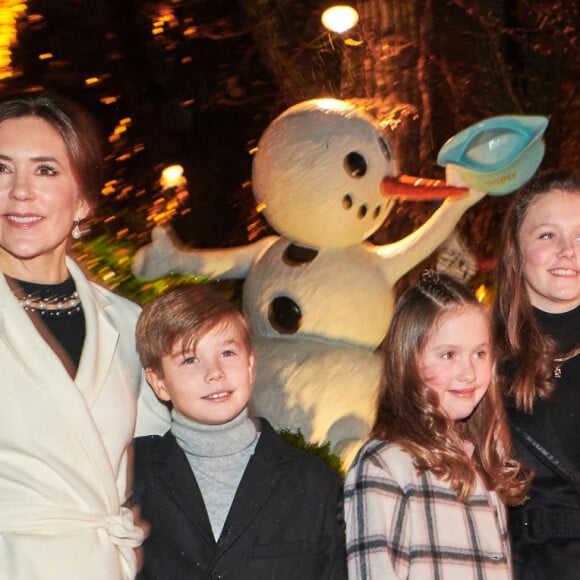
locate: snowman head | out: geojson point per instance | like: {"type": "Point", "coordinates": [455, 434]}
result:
{"type": "Point", "coordinates": [317, 174]}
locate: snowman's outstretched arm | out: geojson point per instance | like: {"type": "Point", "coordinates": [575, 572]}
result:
{"type": "Point", "coordinates": [403, 255]}
{"type": "Point", "coordinates": [164, 255]}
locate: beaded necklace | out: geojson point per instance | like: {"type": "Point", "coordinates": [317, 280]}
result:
{"type": "Point", "coordinates": [47, 300]}
{"type": "Point", "coordinates": [52, 305]}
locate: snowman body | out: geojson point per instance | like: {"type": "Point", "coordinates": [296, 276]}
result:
{"type": "Point", "coordinates": [338, 295]}
{"type": "Point", "coordinates": [315, 337]}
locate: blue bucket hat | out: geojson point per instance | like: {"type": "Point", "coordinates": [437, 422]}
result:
{"type": "Point", "coordinates": [497, 155]}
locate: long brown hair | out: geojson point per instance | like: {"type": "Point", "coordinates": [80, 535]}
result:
{"type": "Point", "coordinates": [526, 356]}
{"type": "Point", "coordinates": [408, 412]}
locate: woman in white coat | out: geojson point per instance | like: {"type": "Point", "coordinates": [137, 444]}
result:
{"type": "Point", "coordinates": [70, 379]}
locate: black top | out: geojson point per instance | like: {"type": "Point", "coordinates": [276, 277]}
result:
{"type": "Point", "coordinates": [66, 325]}
{"type": "Point", "coordinates": [555, 422]}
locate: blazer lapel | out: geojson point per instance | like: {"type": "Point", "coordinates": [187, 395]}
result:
{"type": "Point", "coordinates": [101, 338]}
{"type": "Point", "coordinates": [265, 469]}
{"type": "Point", "coordinates": [176, 474]}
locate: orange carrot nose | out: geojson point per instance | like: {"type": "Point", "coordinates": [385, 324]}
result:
{"type": "Point", "coordinates": [409, 188]}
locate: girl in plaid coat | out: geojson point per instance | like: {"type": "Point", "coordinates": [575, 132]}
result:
{"type": "Point", "coordinates": [425, 496]}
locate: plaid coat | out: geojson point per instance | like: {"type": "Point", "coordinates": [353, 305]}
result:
{"type": "Point", "coordinates": [401, 525]}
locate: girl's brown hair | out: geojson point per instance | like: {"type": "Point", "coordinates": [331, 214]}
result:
{"type": "Point", "coordinates": [409, 414]}
{"type": "Point", "coordinates": [526, 356]}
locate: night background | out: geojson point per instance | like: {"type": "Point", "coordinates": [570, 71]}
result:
{"type": "Point", "coordinates": [196, 82]}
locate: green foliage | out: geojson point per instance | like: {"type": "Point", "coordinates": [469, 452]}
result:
{"type": "Point", "coordinates": [297, 439]}
{"type": "Point", "coordinates": [108, 260]}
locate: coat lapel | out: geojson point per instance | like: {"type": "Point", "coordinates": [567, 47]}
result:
{"type": "Point", "coordinates": [265, 469]}
{"type": "Point", "coordinates": [38, 361]}
{"type": "Point", "coordinates": [100, 341]}
{"type": "Point", "coordinates": [175, 473]}
{"type": "Point", "coordinates": [27, 345]}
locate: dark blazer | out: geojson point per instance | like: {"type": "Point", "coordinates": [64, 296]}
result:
{"type": "Point", "coordinates": [285, 521]}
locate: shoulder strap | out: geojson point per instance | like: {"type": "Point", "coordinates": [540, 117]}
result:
{"type": "Point", "coordinates": [546, 457]}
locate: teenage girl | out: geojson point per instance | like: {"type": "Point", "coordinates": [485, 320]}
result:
{"type": "Point", "coordinates": [537, 323]}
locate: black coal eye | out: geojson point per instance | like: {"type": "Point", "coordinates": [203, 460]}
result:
{"type": "Point", "coordinates": [385, 149]}
{"type": "Point", "coordinates": [355, 164]}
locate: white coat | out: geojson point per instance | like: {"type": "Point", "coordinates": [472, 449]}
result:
{"type": "Point", "coordinates": [64, 443]}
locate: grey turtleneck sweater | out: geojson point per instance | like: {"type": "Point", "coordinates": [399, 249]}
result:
{"type": "Point", "coordinates": [218, 456]}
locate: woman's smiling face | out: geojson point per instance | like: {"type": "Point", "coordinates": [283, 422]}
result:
{"type": "Point", "coordinates": [40, 200]}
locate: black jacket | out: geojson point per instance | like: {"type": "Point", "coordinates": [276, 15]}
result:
{"type": "Point", "coordinates": [545, 531]}
{"type": "Point", "coordinates": [285, 521]}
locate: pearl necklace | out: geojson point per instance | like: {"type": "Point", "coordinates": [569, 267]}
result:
{"type": "Point", "coordinates": [53, 306]}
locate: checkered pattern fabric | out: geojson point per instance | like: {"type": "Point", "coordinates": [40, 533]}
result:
{"type": "Point", "coordinates": [401, 525]}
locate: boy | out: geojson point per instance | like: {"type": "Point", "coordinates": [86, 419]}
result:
{"type": "Point", "coordinates": [225, 496]}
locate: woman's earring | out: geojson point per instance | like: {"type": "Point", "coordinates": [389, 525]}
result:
{"type": "Point", "coordinates": [76, 232]}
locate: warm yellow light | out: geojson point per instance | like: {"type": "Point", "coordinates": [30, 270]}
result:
{"type": "Point", "coordinates": [172, 176]}
{"type": "Point", "coordinates": [481, 293]}
{"type": "Point", "coordinates": [326, 104]}
{"type": "Point", "coordinates": [339, 18]}
{"type": "Point", "coordinates": [109, 100]}
{"type": "Point", "coordinates": [109, 187]}
{"type": "Point", "coordinates": [10, 12]}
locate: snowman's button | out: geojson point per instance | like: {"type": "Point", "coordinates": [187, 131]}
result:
{"type": "Point", "coordinates": [284, 315]}
{"type": "Point", "coordinates": [295, 255]}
